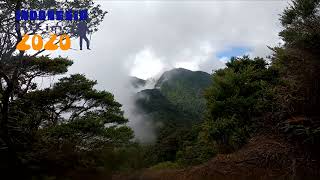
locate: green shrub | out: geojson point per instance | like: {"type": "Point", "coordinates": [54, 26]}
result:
{"type": "Point", "coordinates": [238, 96]}
{"type": "Point", "coordinates": [166, 165]}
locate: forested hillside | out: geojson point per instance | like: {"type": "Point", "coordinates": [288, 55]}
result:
{"type": "Point", "coordinates": [175, 106]}
{"type": "Point", "coordinates": [178, 92]}
{"type": "Point", "coordinates": [185, 89]}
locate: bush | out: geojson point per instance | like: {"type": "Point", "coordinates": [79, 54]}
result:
{"type": "Point", "coordinates": [239, 94]}
{"type": "Point", "coordinates": [166, 165]}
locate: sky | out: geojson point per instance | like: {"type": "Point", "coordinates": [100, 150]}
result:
{"type": "Point", "coordinates": [146, 38]}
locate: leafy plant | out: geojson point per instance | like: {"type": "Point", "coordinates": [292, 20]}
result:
{"type": "Point", "coordinates": [239, 94]}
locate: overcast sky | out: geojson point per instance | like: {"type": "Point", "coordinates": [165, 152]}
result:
{"type": "Point", "coordinates": [144, 39]}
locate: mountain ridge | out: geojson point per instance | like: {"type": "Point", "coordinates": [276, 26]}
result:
{"type": "Point", "coordinates": [177, 95]}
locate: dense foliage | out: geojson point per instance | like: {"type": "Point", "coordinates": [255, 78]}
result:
{"type": "Point", "coordinates": [184, 89]}
{"type": "Point", "coordinates": [66, 127]}
{"type": "Point", "coordinates": [238, 98]}
{"type": "Point", "coordinates": [298, 63]}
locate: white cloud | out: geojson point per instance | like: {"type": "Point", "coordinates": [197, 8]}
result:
{"type": "Point", "coordinates": [146, 65]}
{"type": "Point", "coordinates": [192, 59]}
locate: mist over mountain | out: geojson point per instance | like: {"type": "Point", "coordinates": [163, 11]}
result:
{"type": "Point", "coordinates": [137, 82]}
{"type": "Point", "coordinates": [176, 97]}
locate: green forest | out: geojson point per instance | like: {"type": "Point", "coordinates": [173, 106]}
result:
{"type": "Point", "coordinates": [262, 113]}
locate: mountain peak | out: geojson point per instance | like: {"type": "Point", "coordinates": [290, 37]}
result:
{"type": "Point", "coordinates": [181, 74]}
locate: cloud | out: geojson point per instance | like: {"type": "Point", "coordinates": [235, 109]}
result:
{"type": "Point", "coordinates": [175, 34]}
{"type": "Point", "coordinates": [146, 65]}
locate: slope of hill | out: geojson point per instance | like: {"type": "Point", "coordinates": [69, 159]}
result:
{"type": "Point", "coordinates": [177, 95]}
{"type": "Point", "coordinates": [266, 156]}
{"type": "Point", "coordinates": [154, 103]}
{"type": "Point", "coordinates": [137, 82]}
{"type": "Point", "coordinates": [184, 88]}
{"type": "Point", "coordinates": [174, 105]}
